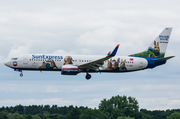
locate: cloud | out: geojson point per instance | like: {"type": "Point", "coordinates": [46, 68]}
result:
{"type": "Point", "coordinates": [75, 90]}
{"type": "Point", "coordinates": [63, 52]}
{"type": "Point", "coordinates": [158, 87]}
{"type": "Point", "coordinates": [158, 103]}
{"type": "Point", "coordinates": [92, 102]}
{"type": "Point", "coordinates": [51, 89]}
{"type": "Point", "coordinates": [100, 37]}
{"type": "Point", "coordinates": [59, 52]}
{"type": "Point", "coordinates": [125, 89]}
{"type": "Point", "coordinates": [3, 59]}
{"type": "Point", "coordinates": [19, 50]}
{"type": "Point", "coordinates": [26, 102]}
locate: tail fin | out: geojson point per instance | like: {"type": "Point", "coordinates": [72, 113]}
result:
{"type": "Point", "coordinates": [158, 47]}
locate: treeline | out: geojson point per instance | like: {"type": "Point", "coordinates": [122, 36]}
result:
{"type": "Point", "coordinates": [162, 114]}
{"type": "Point", "coordinates": [117, 107]}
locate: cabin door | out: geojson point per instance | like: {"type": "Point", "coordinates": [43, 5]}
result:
{"type": "Point", "coordinates": [25, 59]}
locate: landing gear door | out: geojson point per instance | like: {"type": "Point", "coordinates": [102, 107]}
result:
{"type": "Point", "coordinates": [25, 59]}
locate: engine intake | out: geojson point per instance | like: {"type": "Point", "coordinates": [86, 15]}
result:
{"type": "Point", "coordinates": [69, 70]}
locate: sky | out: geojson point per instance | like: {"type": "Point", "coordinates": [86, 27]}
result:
{"type": "Point", "coordinates": [92, 27]}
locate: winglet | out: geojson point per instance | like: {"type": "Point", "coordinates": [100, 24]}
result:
{"type": "Point", "coordinates": [114, 51]}
{"type": "Point", "coordinates": [109, 53]}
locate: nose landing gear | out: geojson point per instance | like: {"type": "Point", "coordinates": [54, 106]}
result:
{"type": "Point", "coordinates": [21, 74]}
{"type": "Point", "coordinates": [19, 70]}
{"type": "Point", "coordinates": [88, 76]}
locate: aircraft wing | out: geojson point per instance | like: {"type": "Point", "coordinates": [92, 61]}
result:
{"type": "Point", "coordinates": [98, 63]}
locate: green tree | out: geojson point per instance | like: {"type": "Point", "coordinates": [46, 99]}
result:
{"type": "Point", "coordinates": [28, 116]}
{"type": "Point", "coordinates": [46, 113]}
{"type": "Point", "coordinates": [19, 108]}
{"type": "Point", "coordinates": [92, 114]}
{"type": "Point", "coordinates": [47, 108]}
{"type": "Point", "coordinates": [175, 115]}
{"type": "Point", "coordinates": [74, 114]}
{"type": "Point", "coordinates": [145, 116]}
{"type": "Point", "coordinates": [20, 117]}
{"type": "Point", "coordinates": [15, 116]}
{"type": "Point", "coordinates": [52, 116]}
{"type": "Point", "coordinates": [122, 117]}
{"type": "Point", "coordinates": [60, 116]}
{"type": "Point", "coordinates": [120, 106]}
{"type": "Point", "coordinates": [35, 117]}
{"type": "Point", "coordinates": [4, 115]}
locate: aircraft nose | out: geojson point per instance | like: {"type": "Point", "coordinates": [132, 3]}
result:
{"type": "Point", "coordinates": [7, 64]}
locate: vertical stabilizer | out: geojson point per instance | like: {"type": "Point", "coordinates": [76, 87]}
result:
{"type": "Point", "coordinates": [157, 49]}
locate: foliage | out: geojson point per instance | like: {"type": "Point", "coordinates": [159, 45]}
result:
{"type": "Point", "coordinates": [117, 107]}
{"type": "Point", "coordinates": [159, 114]}
{"type": "Point", "coordinates": [28, 116]}
{"type": "Point", "coordinates": [120, 106]}
{"type": "Point", "coordinates": [145, 116]}
{"type": "Point", "coordinates": [35, 117]}
{"type": "Point", "coordinates": [174, 115]}
{"type": "Point", "coordinates": [122, 117]}
{"type": "Point", "coordinates": [16, 116]}
{"type": "Point", "coordinates": [74, 114]}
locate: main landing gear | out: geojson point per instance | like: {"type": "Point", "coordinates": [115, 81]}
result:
{"type": "Point", "coordinates": [88, 76]}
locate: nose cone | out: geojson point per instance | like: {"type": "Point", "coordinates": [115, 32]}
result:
{"type": "Point", "coordinates": [7, 64]}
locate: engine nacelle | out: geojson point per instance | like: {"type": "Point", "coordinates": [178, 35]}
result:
{"type": "Point", "coordinates": [69, 70]}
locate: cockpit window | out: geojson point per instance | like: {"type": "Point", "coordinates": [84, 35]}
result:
{"type": "Point", "coordinates": [14, 58]}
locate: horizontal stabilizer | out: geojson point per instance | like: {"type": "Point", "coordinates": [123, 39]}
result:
{"type": "Point", "coordinates": [162, 59]}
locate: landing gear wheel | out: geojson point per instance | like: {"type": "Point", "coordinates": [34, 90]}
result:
{"type": "Point", "coordinates": [88, 76]}
{"type": "Point", "coordinates": [21, 74]}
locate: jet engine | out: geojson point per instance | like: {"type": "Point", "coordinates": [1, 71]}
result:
{"type": "Point", "coordinates": [69, 70]}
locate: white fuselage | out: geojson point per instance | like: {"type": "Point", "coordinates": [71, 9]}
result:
{"type": "Point", "coordinates": [44, 62]}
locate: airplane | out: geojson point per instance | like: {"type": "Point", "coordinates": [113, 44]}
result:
{"type": "Point", "coordinates": [153, 56]}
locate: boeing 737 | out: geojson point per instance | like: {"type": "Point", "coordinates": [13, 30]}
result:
{"type": "Point", "coordinates": [153, 56]}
